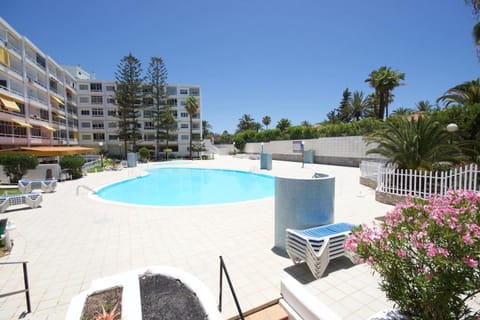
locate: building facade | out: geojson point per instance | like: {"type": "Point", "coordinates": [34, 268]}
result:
{"type": "Point", "coordinates": [43, 103]}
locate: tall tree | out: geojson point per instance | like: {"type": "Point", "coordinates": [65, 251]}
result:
{"type": "Point", "coordinates": [128, 96]}
{"type": "Point", "coordinates": [358, 105]}
{"type": "Point", "coordinates": [191, 105]}
{"type": "Point", "coordinates": [246, 122]}
{"type": "Point", "coordinates": [467, 93]}
{"type": "Point", "coordinates": [283, 124]}
{"type": "Point", "coordinates": [402, 111]}
{"type": "Point", "coordinates": [266, 121]}
{"type": "Point", "coordinates": [424, 106]}
{"type": "Point", "coordinates": [344, 110]}
{"type": "Point", "coordinates": [157, 79]}
{"type": "Point", "coordinates": [206, 128]}
{"type": "Point", "coordinates": [384, 80]}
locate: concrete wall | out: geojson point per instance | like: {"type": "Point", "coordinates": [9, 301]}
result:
{"type": "Point", "coordinates": [345, 151]}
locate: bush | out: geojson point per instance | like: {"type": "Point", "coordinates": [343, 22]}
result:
{"type": "Point", "coordinates": [73, 164]}
{"type": "Point", "coordinates": [144, 153]}
{"type": "Point", "coordinates": [427, 253]}
{"type": "Point", "coordinates": [16, 165]}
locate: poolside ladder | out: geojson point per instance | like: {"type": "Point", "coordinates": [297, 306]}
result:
{"type": "Point", "coordinates": [85, 187]}
{"type": "Point", "coordinates": [223, 269]}
{"type": "Point", "coordinates": [25, 281]}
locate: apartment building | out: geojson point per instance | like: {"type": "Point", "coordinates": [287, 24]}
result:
{"type": "Point", "coordinates": [43, 103]}
{"type": "Point", "coordinates": [37, 96]}
{"type": "Point", "coordinates": [98, 117]}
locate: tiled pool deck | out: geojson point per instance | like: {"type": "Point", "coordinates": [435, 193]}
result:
{"type": "Point", "coordinates": [71, 240]}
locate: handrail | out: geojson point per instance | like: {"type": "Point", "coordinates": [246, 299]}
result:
{"type": "Point", "coordinates": [25, 280]}
{"type": "Point", "coordinates": [223, 268]}
{"type": "Point", "coordinates": [85, 187]}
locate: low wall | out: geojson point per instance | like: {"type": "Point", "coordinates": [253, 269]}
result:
{"type": "Point", "coordinates": [343, 151]}
{"type": "Point", "coordinates": [388, 198]}
{"type": "Point", "coordinates": [40, 172]}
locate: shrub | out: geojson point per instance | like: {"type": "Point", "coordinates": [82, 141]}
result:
{"type": "Point", "coordinates": [427, 253]}
{"type": "Point", "coordinates": [144, 153]}
{"type": "Point", "coordinates": [16, 165]}
{"type": "Point", "coordinates": [73, 164]}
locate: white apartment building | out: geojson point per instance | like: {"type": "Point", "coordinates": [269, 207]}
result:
{"type": "Point", "coordinates": [37, 96]}
{"type": "Point", "coordinates": [98, 118]}
{"type": "Point", "coordinates": [43, 103]}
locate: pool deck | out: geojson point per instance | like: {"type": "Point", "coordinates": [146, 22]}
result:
{"type": "Point", "coordinates": [73, 239]}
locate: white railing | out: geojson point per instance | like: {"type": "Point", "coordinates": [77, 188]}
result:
{"type": "Point", "coordinates": [370, 169]}
{"type": "Point", "coordinates": [427, 183]}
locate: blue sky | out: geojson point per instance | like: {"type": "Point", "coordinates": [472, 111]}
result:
{"type": "Point", "coordinates": [285, 59]}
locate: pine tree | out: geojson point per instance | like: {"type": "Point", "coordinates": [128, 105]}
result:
{"type": "Point", "coordinates": [128, 96]}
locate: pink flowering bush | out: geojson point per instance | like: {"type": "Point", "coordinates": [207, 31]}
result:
{"type": "Point", "coordinates": [427, 252]}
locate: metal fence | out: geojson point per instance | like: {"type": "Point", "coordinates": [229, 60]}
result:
{"type": "Point", "coordinates": [426, 183]}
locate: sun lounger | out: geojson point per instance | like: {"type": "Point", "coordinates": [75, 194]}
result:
{"type": "Point", "coordinates": [27, 186]}
{"type": "Point", "coordinates": [32, 200]}
{"type": "Point", "coordinates": [317, 246]}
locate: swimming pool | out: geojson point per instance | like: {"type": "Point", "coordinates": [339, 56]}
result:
{"type": "Point", "coordinates": [190, 187]}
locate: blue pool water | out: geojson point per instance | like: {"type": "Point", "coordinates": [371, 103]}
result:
{"type": "Point", "coordinates": [189, 187]}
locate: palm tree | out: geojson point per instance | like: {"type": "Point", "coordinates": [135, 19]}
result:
{"type": "Point", "coordinates": [414, 144]}
{"type": "Point", "coordinates": [424, 106]}
{"type": "Point", "coordinates": [283, 124]}
{"type": "Point", "coordinates": [305, 123]}
{"type": "Point", "coordinates": [266, 121]}
{"type": "Point", "coordinates": [358, 105]}
{"type": "Point", "coordinates": [384, 80]}
{"type": "Point", "coordinates": [466, 93]}
{"type": "Point", "coordinates": [246, 122]}
{"type": "Point", "coordinates": [206, 128]}
{"type": "Point", "coordinates": [192, 106]}
{"type": "Point", "coordinates": [402, 111]}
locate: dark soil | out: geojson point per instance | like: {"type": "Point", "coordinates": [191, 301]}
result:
{"type": "Point", "coordinates": [106, 298]}
{"type": "Point", "coordinates": [165, 298]}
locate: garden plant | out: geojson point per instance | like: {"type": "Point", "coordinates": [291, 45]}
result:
{"type": "Point", "coordinates": [427, 253]}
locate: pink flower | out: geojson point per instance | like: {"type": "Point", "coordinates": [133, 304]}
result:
{"type": "Point", "coordinates": [471, 262]}
{"type": "Point", "coordinates": [466, 238]}
{"type": "Point", "coordinates": [401, 253]}
{"type": "Point", "coordinates": [428, 277]}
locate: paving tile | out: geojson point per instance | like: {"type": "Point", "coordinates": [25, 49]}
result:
{"type": "Point", "coordinates": [117, 238]}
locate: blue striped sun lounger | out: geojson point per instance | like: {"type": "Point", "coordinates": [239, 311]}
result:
{"type": "Point", "coordinates": [317, 246]}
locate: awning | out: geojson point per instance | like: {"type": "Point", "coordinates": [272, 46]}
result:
{"type": "Point", "coordinates": [59, 116]}
{"type": "Point", "coordinates": [23, 124]}
{"type": "Point", "coordinates": [4, 57]}
{"type": "Point", "coordinates": [49, 151]}
{"type": "Point", "coordinates": [9, 104]}
{"type": "Point", "coordinates": [57, 99]}
{"type": "Point", "coordinates": [46, 126]}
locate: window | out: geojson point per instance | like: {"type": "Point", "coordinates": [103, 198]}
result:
{"type": "Point", "coordinates": [99, 136]}
{"type": "Point", "coordinates": [184, 125]}
{"type": "Point", "coordinates": [85, 112]}
{"type": "Point", "coordinates": [96, 87]}
{"type": "Point", "coordinates": [172, 91]}
{"type": "Point", "coordinates": [97, 112]}
{"type": "Point", "coordinates": [148, 125]}
{"type": "Point", "coordinates": [97, 125]}
{"type": "Point", "coordinates": [147, 113]}
{"type": "Point", "coordinates": [112, 113]}
{"type": "Point", "coordinates": [110, 100]}
{"type": "Point", "coordinates": [172, 102]}
{"type": "Point", "coordinates": [184, 114]}
{"type": "Point", "coordinates": [194, 91]}
{"type": "Point", "coordinates": [183, 91]}
{"type": "Point", "coordinates": [84, 100]}
{"type": "Point", "coordinates": [148, 137]}
{"type": "Point", "coordinates": [85, 124]}
{"type": "Point", "coordinates": [113, 137]}
{"type": "Point", "coordinates": [97, 100]}
{"type": "Point", "coordinates": [83, 87]}
{"type": "Point", "coordinates": [182, 103]}
{"type": "Point", "coordinates": [40, 60]}
{"type": "Point", "coordinates": [110, 88]}
{"type": "Point", "coordinates": [184, 137]}
{"type": "Point", "coordinates": [86, 137]}
{"type": "Point", "coordinates": [112, 125]}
